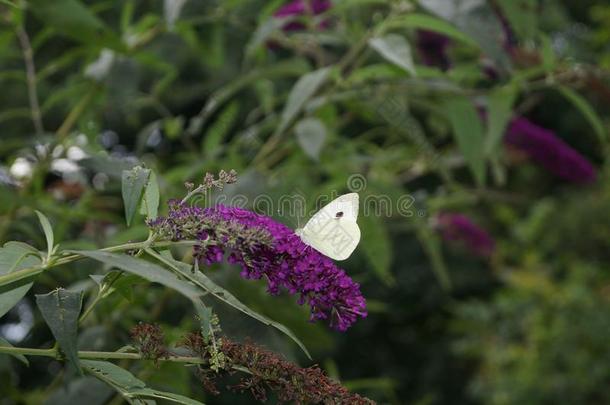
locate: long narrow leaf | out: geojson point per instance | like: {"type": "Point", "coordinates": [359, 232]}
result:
{"type": "Point", "coordinates": [586, 110]}
{"type": "Point", "coordinates": [300, 93]}
{"type": "Point", "coordinates": [395, 49]}
{"type": "Point", "coordinates": [201, 280]}
{"type": "Point", "coordinates": [128, 385]}
{"type": "Point", "coordinates": [48, 232]}
{"type": "Point", "coordinates": [499, 114]}
{"type": "Point", "coordinates": [147, 270]}
{"type": "Point", "coordinates": [468, 131]}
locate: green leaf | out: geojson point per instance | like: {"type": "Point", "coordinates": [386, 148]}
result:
{"type": "Point", "coordinates": [205, 317]}
{"type": "Point", "coordinates": [124, 285]}
{"type": "Point", "coordinates": [132, 187]}
{"type": "Point", "coordinates": [432, 247]}
{"type": "Point", "coordinates": [48, 232]}
{"type": "Point", "coordinates": [262, 34]}
{"type": "Point", "coordinates": [204, 282]}
{"type": "Point", "coordinates": [395, 49]}
{"type": "Point", "coordinates": [20, 357]}
{"type": "Point", "coordinates": [60, 310]}
{"type": "Point", "coordinates": [97, 70]}
{"type": "Point", "coordinates": [373, 73]}
{"type": "Point", "coordinates": [301, 92]}
{"type": "Point", "coordinates": [150, 202]}
{"type": "Point", "coordinates": [377, 247]}
{"type": "Point", "coordinates": [112, 374]}
{"type": "Point", "coordinates": [147, 270]}
{"type": "Point", "coordinates": [16, 256]}
{"type": "Point", "coordinates": [9, 3]}
{"type": "Point", "coordinates": [119, 281]}
{"type": "Point", "coordinates": [343, 6]}
{"type": "Point", "coordinates": [169, 396]}
{"type": "Point", "coordinates": [214, 136]}
{"type": "Point", "coordinates": [173, 127]}
{"type": "Point", "coordinates": [98, 279]}
{"type": "Point", "coordinates": [477, 20]}
{"type": "Point", "coordinates": [311, 134]}
{"type": "Point", "coordinates": [468, 131]}
{"type": "Point", "coordinates": [171, 11]}
{"type": "Point", "coordinates": [586, 110]}
{"type": "Point", "coordinates": [501, 102]}
{"type": "Point", "coordinates": [522, 16]}
{"type": "Point", "coordinates": [73, 19]}
{"type": "Point", "coordinates": [128, 385]}
{"type": "Point", "coordinates": [549, 59]}
{"type": "Point", "coordinates": [430, 23]}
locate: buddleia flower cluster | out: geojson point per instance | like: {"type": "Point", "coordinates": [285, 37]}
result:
{"type": "Point", "coordinates": [546, 149]}
{"type": "Point", "coordinates": [265, 248]}
{"type": "Point", "coordinates": [457, 227]}
{"type": "Point", "coordinates": [149, 341]}
{"type": "Point", "coordinates": [270, 372]}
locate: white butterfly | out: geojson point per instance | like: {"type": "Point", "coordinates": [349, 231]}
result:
{"type": "Point", "coordinates": [333, 230]}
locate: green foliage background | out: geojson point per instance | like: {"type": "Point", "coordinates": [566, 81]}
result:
{"type": "Point", "coordinates": [188, 87]}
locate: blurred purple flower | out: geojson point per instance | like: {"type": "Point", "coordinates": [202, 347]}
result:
{"type": "Point", "coordinates": [300, 7]}
{"type": "Point", "coordinates": [549, 151]}
{"type": "Point", "coordinates": [459, 228]}
{"type": "Point", "coordinates": [267, 249]}
{"type": "Point", "coordinates": [432, 48]}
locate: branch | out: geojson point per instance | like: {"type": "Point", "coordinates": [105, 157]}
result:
{"type": "Point", "coordinates": [83, 354]}
{"type": "Point", "coordinates": [32, 271]}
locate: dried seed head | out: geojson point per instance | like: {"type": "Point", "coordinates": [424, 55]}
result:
{"type": "Point", "coordinates": [149, 340]}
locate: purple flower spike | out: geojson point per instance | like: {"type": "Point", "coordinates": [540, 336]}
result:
{"type": "Point", "coordinates": [432, 47]}
{"type": "Point", "coordinates": [264, 248]}
{"type": "Point", "coordinates": [545, 148]}
{"type": "Point", "coordinates": [459, 228]}
{"type": "Point", "coordinates": [300, 7]}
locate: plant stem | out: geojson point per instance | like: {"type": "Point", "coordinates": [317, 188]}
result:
{"type": "Point", "coordinates": [32, 271]}
{"type": "Point", "coordinates": [30, 70]}
{"type": "Point", "coordinates": [192, 193]}
{"type": "Point", "coordinates": [84, 354]}
{"type": "Point", "coordinates": [28, 351]}
{"type": "Point", "coordinates": [91, 306]}
{"type": "Point", "coordinates": [137, 356]}
{"type": "Point", "coordinates": [75, 113]}
{"type": "Point", "coordinates": [101, 293]}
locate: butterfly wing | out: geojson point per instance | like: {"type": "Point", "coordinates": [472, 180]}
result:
{"type": "Point", "coordinates": [336, 239]}
{"type": "Point", "coordinates": [333, 230]}
{"type": "Point", "coordinates": [346, 205]}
